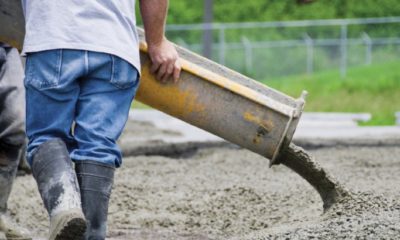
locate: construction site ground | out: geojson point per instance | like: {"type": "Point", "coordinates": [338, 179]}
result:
{"type": "Point", "coordinates": [178, 182]}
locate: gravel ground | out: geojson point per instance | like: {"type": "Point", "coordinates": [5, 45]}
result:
{"type": "Point", "coordinates": [228, 193]}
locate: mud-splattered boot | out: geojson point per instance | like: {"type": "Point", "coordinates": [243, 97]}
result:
{"type": "Point", "coordinates": [95, 181]}
{"type": "Point", "coordinates": [9, 158]}
{"type": "Point", "coordinates": [58, 186]}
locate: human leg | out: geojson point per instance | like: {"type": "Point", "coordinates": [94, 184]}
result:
{"type": "Point", "coordinates": [59, 189]}
{"type": "Point", "coordinates": [12, 133]}
{"type": "Point", "coordinates": [95, 181]}
{"type": "Point", "coordinates": [51, 94]}
{"type": "Point", "coordinates": [102, 110]}
{"type": "Point", "coordinates": [106, 94]}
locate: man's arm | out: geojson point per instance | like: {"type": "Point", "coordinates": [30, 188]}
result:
{"type": "Point", "coordinates": [164, 57]}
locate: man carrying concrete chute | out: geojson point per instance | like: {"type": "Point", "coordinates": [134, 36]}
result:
{"type": "Point", "coordinates": [83, 68]}
{"type": "Point", "coordinates": [12, 134]}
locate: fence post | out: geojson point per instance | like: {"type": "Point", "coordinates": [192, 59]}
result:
{"type": "Point", "coordinates": [222, 45]}
{"type": "Point", "coordinates": [207, 29]}
{"type": "Point", "coordinates": [248, 51]}
{"type": "Point", "coordinates": [368, 48]}
{"type": "Point", "coordinates": [310, 53]}
{"type": "Point", "coordinates": [343, 50]}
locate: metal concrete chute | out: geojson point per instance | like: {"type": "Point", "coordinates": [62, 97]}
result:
{"type": "Point", "coordinates": [223, 102]}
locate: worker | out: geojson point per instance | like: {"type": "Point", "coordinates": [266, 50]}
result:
{"type": "Point", "coordinates": [12, 134]}
{"type": "Point", "coordinates": [83, 69]}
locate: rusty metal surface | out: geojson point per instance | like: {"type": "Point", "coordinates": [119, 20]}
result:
{"type": "Point", "coordinates": [208, 95]}
{"type": "Point", "coordinates": [224, 103]}
{"type": "Point", "coordinates": [12, 24]}
{"type": "Point", "coordinates": [216, 110]}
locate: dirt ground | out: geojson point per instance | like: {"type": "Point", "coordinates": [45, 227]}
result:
{"type": "Point", "coordinates": [231, 193]}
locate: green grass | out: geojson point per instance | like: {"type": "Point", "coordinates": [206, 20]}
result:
{"type": "Point", "coordinates": [374, 89]}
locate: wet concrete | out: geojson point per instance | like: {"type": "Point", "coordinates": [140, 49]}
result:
{"type": "Point", "coordinates": [301, 162]}
{"type": "Point", "coordinates": [224, 193]}
{"type": "Point", "coordinates": [229, 193]}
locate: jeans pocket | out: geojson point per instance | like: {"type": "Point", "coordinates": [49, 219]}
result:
{"type": "Point", "coordinates": [124, 75]}
{"type": "Point", "coordinates": [43, 69]}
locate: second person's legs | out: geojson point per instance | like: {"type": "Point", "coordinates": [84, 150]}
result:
{"type": "Point", "coordinates": [12, 132]}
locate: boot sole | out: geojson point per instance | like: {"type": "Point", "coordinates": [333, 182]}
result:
{"type": "Point", "coordinates": [71, 226]}
{"type": "Point", "coordinates": [75, 229]}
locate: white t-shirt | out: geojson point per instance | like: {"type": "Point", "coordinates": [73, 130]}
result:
{"type": "Point", "coordinates": [107, 26]}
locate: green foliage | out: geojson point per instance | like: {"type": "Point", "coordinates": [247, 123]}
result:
{"type": "Point", "coordinates": [189, 11]}
{"type": "Point", "coordinates": [374, 89]}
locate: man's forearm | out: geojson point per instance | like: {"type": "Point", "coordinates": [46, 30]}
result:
{"type": "Point", "coordinates": [154, 14]}
{"type": "Point", "coordinates": [162, 52]}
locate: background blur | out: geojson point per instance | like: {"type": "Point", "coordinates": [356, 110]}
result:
{"type": "Point", "coordinates": [346, 53]}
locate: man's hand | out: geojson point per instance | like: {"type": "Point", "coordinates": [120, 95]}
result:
{"type": "Point", "coordinates": [165, 61]}
{"type": "Point", "coordinates": [162, 52]}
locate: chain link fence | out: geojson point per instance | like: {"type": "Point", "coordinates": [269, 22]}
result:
{"type": "Point", "coordinates": [267, 50]}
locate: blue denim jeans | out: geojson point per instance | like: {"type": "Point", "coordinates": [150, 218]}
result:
{"type": "Point", "coordinates": [81, 97]}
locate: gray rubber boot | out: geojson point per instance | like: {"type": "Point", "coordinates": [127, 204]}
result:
{"type": "Point", "coordinates": [23, 166]}
{"type": "Point", "coordinates": [58, 186]}
{"type": "Point", "coordinates": [9, 158]}
{"type": "Point", "coordinates": [95, 181]}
